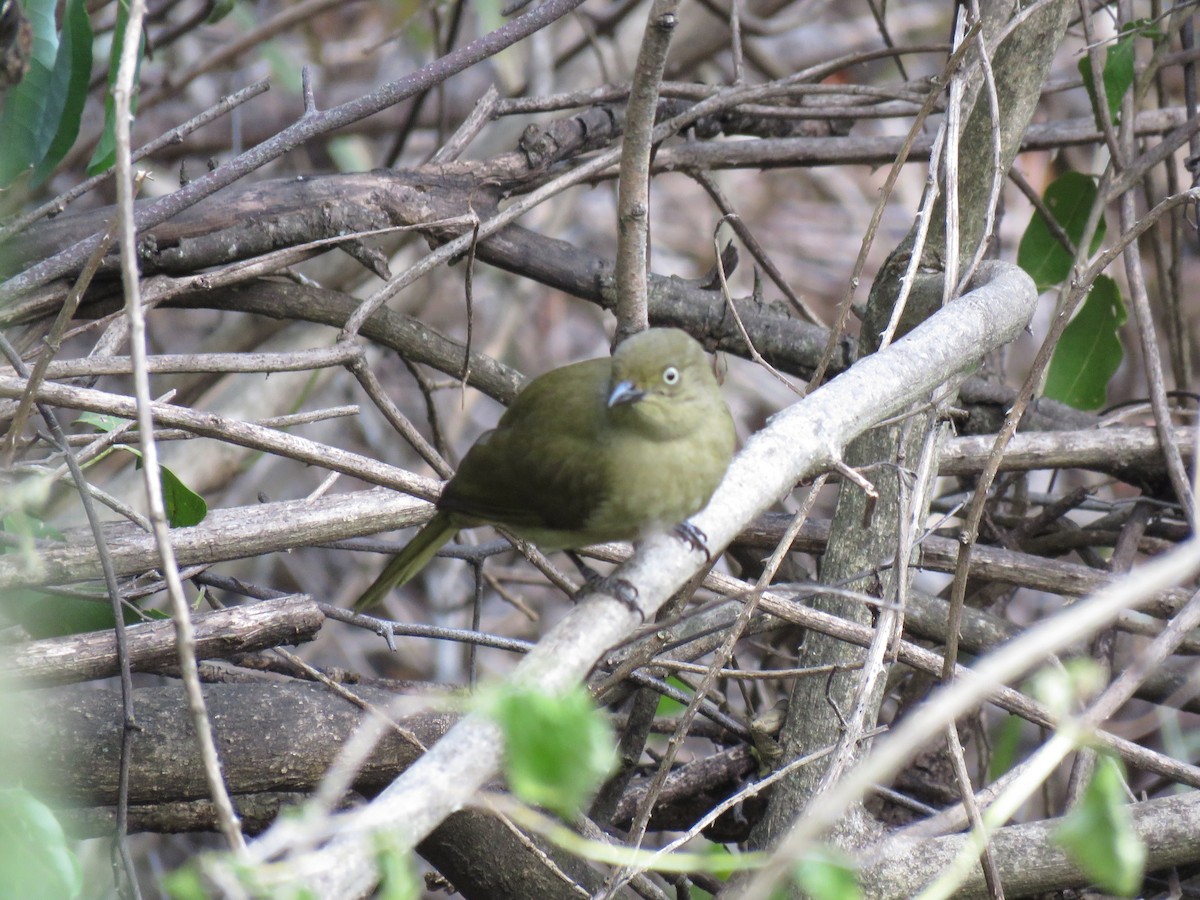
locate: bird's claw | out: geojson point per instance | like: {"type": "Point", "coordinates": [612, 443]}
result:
{"type": "Point", "coordinates": [694, 538]}
{"type": "Point", "coordinates": [620, 589]}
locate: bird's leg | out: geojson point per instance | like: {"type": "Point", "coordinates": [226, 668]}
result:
{"type": "Point", "coordinates": [590, 575]}
{"type": "Point", "coordinates": [694, 538]}
{"type": "Point", "coordinates": [618, 588]}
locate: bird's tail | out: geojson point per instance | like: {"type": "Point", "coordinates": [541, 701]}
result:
{"type": "Point", "coordinates": [409, 561]}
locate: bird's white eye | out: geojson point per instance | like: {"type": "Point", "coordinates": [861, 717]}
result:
{"type": "Point", "coordinates": [671, 375]}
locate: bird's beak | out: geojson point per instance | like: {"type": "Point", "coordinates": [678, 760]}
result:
{"type": "Point", "coordinates": [624, 392]}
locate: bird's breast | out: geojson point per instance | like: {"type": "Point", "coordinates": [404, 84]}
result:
{"type": "Point", "coordinates": [655, 485]}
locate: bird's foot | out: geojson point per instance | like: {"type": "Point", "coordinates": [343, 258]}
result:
{"type": "Point", "coordinates": [694, 538]}
{"type": "Point", "coordinates": [620, 589]}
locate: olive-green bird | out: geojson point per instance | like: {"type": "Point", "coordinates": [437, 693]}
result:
{"type": "Point", "coordinates": [604, 450]}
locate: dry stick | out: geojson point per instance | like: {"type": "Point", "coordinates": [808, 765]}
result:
{"type": "Point", "coordinates": [360, 370]}
{"type": "Point", "coordinates": [177, 363]}
{"type": "Point", "coordinates": [958, 761]}
{"type": "Point", "coordinates": [1039, 205]}
{"type": "Point", "coordinates": [480, 116]}
{"type": "Point", "coordinates": [737, 320]}
{"type": "Point", "coordinates": [1096, 71]}
{"type": "Point", "coordinates": [952, 128]}
{"type": "Point", "coordinates": [305, 128]}
{"type": "Point", "coordinates": [1152, 361]}
{"type": "Point", "coordinates": [174, 136]}
{"type": "Point", "coordinates": [923, 223]}
{"type": "Point", "coordinates": [245, 434]}
{"type": "Point", "coordinates": [689, 90]}
{"type": "Point", "coordinates": [122, 99]}
{"type": "Point", "coordinates": [633, 187]}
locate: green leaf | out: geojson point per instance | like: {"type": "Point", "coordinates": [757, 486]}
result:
{"type": "Point", "coordinates": [826, 875]}
{"type": "Point", "coordinates": [220, 9]}
{"type": "Point", "coordinates": [1098, 834]}
{"type": "Point", "coordinates": [105, 153]}
{"type": "Point", "coordinates": [68, 88]}
{"type": "Point", "coordinates": [559, 747]}
{"type": "Point", "coordinates": [1069, 198]}
{"type": "Point", "coordinates": [1090, 351]}
{"type": "Point", "coordinates": [101, 421]}
{"type": "Point", "coordinates": [35, 861]}
{"type": "Point", "coordinates": [1117, 75]}
{"type": "Point", "coordinates": [184, 507]}
{"type": "Point", "coordinates": [45, 615]}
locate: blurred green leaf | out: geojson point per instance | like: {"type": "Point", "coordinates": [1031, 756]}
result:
{"type": "Point", "coordinates": [1006, 741]}
{"type": "Point", "coordinates": [1069, 198]}
{"type": "Point", "coordinates": [826, 875]}
{"type": "Point", "coordinates": [220, 9]}
{"type": "Point", "coordinates": [559, 747]}
{"type": "Point", "coordinates": [41, 114]}
{"type": "Point", "coordinates": [397, 876]}
{"type": "Point", "coordinates": [184, 883]}
{"type": "Point", "coordinates": [68, 88]}
{"type": "Point", "coordinates": [35, 861]}
{"type": "Point", "coordinates": [1098, 834]}
{"type": "Point", "coordinates": [1089, 352]}
{"type": "Point", "coordinates": [669, 706]}
{"type": "Point", "coordinates": [101, 421]}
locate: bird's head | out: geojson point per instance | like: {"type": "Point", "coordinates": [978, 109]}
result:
{"type": "Point", "coordinates": [661, 383]}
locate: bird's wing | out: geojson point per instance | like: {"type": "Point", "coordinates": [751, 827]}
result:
{"type": "Point", "coordinates": [541, 467]}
